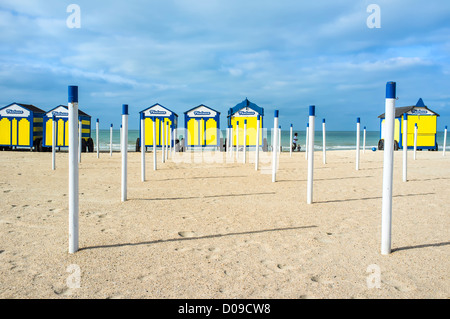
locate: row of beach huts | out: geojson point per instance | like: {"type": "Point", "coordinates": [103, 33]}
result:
{"type": "Point", "coordinates": [27, 126]}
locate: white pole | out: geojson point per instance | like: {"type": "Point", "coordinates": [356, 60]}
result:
{"type": "Point", "coordinates": [96, 142]}
{"type": "Point", "coordinates": [309, 190]}
{"type": "Point", "coordinates": [170, 140]}
{"type": "Point", "coordinates": [415, 140]}
{"type": "Point", "coordinates": [120, 137]}
{"type": "Point", "coordinates": [358, 128]}
{"type": "Point", "coordinates": [306, 142]}
{"type": "Point", "coordinates": [237, 140]}
{"type": "Point", "coordinates": [73, 169]}
{"type": "Point", "coordinates": [231, 141]}
{"type": "Point", "coordinates": [388, 164]}
{"type": "Point", "coordinates": [290, 141]}
{"type": "Point", "coordinates": [142, 147]}
{"type": "Point", "coordinates": [405, 147]}
{"type": "Point", "coordinates": [53, 142]}
{"type": "Point", "coordinates": [279, 139]}
{"type": "Point", "coordinates": [274, 151]}
{"type": "Point", "coordinates": [163, 157]}
{"type": "Point", "coordinates": [124, 150]}
{"type": "Point", "coordinates": [228, 141]}
{"type": "Point", "coordinates": [324, 148]}
{"type": "Point", "coordinates": [154, 144]}
{"type": "Point", "coordinates": [257, 142]}
{"type": "Point", "coordinates": [445, 141]}
{"type": "Point", "coordinates": [364, 141]}
{"type": "Point", "coordinates": [245, 141]}
{"type": "Point", "coordinates": [110, 139]}
{"type": "Point", "coordinates": [166, 140]}
{"type": "Point", "coordinates": [79, 140]}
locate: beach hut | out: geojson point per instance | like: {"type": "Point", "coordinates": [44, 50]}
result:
{"type": "Point", "coordinates": [160, 115]}
{"type": "Point", "coordinates": [419, 114]}
{"type": "Point", "coordinates": [61, 113]}
{"type": "Point", "coordinates": [202, 125]}
{"type": "Point", "coordinates": [20, 126]}
{"type": "Point", "coordinates": [249, 111]}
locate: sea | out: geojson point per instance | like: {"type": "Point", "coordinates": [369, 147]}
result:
{"type": "Point", "coordinates": [335, 140]}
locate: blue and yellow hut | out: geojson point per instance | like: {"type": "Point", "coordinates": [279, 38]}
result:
{"type": "Point", "coordinates": [249, 111]}
{"type": "Point", "coordinates": [419, 114]}
{"type": "Point", "coordinates": [61, 113]}
{"type": "Point", "coordinates": [21, 126]}
{"type": "Point", "coordinates": [158, 115]}
{"type": "Point", "coordinates": [202, 125]}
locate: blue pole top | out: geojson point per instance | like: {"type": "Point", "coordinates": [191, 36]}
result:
{"type": "Point", "coordinates": [73, 94]}
{"type": "Point", "coordinates": [53, 117]}
{"type": "Point", "coordinates": [405, 116]}
{"type": "Point", "coordinates": [97, 120]}
{"type": "Point", "coordinates": [364, 127]}
{"type": "Point", "coordinates": [279, 126]}
{"type": "Point", "coordinates": [245, 121]}
{"type": "Point", "coordinates": [120, 125]}
{"type": "Point", "coordinates": [312, 110]}
{"type": "Point", "coordinates": [237, 122]}
{"type": "Point", "coordinates": [124, 109]}
{"type": "Point", "coordinates": [111, 125]}
{"type": "Point", "coordinates": [390, 90]}
{"type": "Point", "coordinates": [142, 115]}
{"type": "Point", "coordinates": [276, 113]}
{"type": "Point", "coordinates": [291, 125]}
{"type": "Point", "coordinates": [446, 127]}
{"type": "Point", "coordinates": [358, 120]}
{"type": "Point", "coordinates": [323, 121]}
{"type": "Point", "coordinates": [258, 117]}
{"type": "Point", "coordinates": [415, 124]}
{"type": "Point", "coordinates": [307, 124]}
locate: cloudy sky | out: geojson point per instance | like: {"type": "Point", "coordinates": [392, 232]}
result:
{"type": "Point", "coordinates": [284, 55]}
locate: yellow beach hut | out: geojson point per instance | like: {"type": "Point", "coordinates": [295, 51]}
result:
{"type": "Point", "coordinates": [202, 125]}
{"type": "Point", "coordinates": [249, 111]}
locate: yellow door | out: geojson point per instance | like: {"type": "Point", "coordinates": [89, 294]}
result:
{"type": "Point", "coordinates": [193, 136]}
{"type": "Point", "coordinates": [24, 132]}
{"type": "Point", "coordinates": [49, 132]}
{"type": "Point", "coordinates": [148, 126]}
{"type": "Point", "coordinates": [5, 131]}
{"type": "Point", "coordinates": [14, 132]}
{"type": "Point", "coordinates": [251, 130]}
{"type": "Point", "coordinates": [211, 132]}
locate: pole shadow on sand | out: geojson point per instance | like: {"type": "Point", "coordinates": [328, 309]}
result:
{"type": "Point", "coordinates": [159, 241]}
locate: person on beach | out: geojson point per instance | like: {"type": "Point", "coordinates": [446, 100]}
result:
{"type": "Point", "coordinates": [294, 142]}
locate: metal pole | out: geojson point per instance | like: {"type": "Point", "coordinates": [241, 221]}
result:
{"type": "Point", "coordinates": [274, 151]}
{"type": "Point", "coordinates": [110, 139]}
{"type": "Point", "coordinates": [415, 140]}
{"type": "Point", "coordinates": [364, 140]}
{"type": "Point", "coordinates": [73, 169]}
{"type": "Point", "coordinates": [386, 213]}
{"type": "Point", "coordinates": [154, 144]}
{"type": "Point", "coordinates": [53, 142]}
{"type": "Point", "coordinates": [257, 142]}
{"type": "Point", "coordinates": [290, 141]}
{"type": "Point", "coordinates": [309, 190]}
{"type": "Point", "coordinates": [96, 142]}
{"type": "Point", "coordinates": [245, 141]}
{"type": "Point", "coordinates": [142, 147]}
{"type": "Point", "coordinates": [80, 129]}
{"type": "Point", "coordinates": [445, 141]}
{"type": "Point", "coordinates": [324, 149]}
{"type": "Point", "coordinates": [405, 147]}
{"type": "Point", "coordinates": [163, 157]}
{"type": "Point", "coordinates": [306, 142]}
{"type": "Point", "coordinates": [358, 128]}
{"type": "Point", "coordinates": [124, 150]}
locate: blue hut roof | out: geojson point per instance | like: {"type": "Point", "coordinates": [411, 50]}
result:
{"type": "Point", "coordinates": [246, 103]}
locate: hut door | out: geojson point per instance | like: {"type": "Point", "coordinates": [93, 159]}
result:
{"type": "Point", "coordinates": [5, 131]}
{"type": "Point", "coordinates": [24, 132]}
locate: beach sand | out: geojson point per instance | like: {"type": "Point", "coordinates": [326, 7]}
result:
{"type": "Point", "coordinates": [223, 230]}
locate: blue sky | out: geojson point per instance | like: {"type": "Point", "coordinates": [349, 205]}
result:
{"type": "Point", "coordinates": [282, 55]}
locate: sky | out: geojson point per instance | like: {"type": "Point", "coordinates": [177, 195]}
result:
{"type": "Point", "coordinates": [283, 55]}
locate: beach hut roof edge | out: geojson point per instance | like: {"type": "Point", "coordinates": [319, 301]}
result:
{"type": "Point", "coordinates": [201, 106]}
{"type": "Point", "coordinates": [399, 111]}
{"type": "Point", "coordinates": [246, 103]}
{"type": "Point", "coordinates": [80, 112]}
{"type": "Point", "coordinates": [161, 106]}
{"type": "Point", "coordinates": [29, 107]}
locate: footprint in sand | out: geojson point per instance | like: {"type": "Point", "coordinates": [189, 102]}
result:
{"type": "Point", "coordinates": [187, 234]}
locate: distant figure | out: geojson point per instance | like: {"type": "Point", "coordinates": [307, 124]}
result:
{"type": "Point", "coordinates": [294, 142]}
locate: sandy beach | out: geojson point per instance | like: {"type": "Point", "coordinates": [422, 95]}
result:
{"type": "Point", "coordinates": [223, 230]}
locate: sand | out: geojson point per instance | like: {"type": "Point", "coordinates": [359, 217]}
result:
{"type": "Point", "coordinates": [223, 230]}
